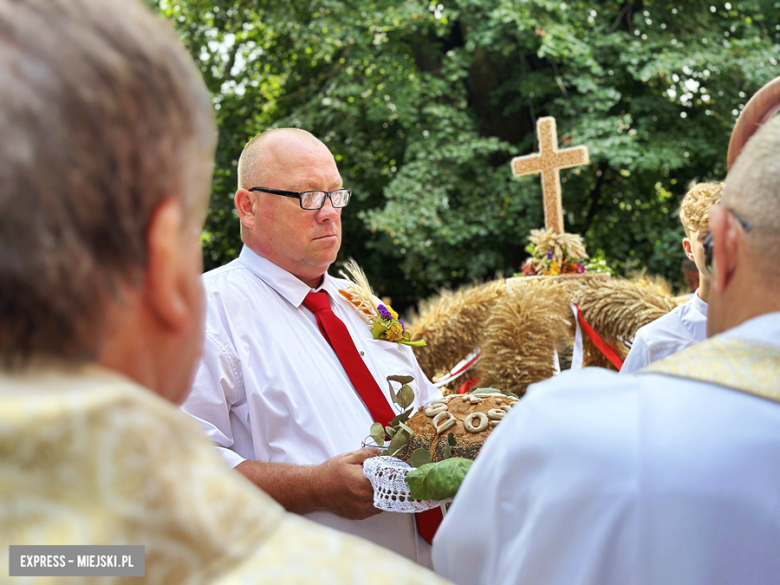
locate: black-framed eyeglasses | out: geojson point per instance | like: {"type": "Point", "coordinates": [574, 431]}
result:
{"type": "Point", "coordinates": [312, 200]}
{"type": "Point", "coordinates": [709, 245]}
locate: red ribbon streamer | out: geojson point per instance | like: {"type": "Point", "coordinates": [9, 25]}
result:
{"type": "Point", "coordinates": [605, 348]}
{"type": "Point", "coordinates": [469, 385]}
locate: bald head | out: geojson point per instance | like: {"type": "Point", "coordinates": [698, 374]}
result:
{"type": "Point", "coordinates": [266, 152]}
{"type": "Point", "coordinates": [753, 190]}
{"type": "Point", "coordinates": [746, 276]}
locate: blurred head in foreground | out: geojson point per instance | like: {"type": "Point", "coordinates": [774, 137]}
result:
{"type": "Point", "coordinates": [745, 231]}
{"type": "Point", "coordinates": [107, 138]}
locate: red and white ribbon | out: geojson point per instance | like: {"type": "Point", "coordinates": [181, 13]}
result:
{"type": "Point", "coordinates": [460, 368]}
{"type": "Point", "coordinates": [605, 348]}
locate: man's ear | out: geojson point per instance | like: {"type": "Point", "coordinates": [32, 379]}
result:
{"type": "Point", "coordinates": [245, 205]}
{"type": "Point", "coordinates": [688, 248]}
{"type": "Point", "coordinates": [724, 235]}
{"type": "Point", "coordinates": [163, 291]}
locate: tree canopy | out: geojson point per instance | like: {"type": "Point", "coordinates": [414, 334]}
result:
{"type": "Point", "coordinates": [424, 104]}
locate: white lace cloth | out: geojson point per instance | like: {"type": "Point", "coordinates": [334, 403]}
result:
{"type": "Point", "coordinates": [391, 493]}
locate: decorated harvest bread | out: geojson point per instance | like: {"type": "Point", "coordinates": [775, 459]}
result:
{"type": "Point", "coordinates": [468, 417]}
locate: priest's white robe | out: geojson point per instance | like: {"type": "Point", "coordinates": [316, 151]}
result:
{"type": "Point", "coordinates": [682, 327]}
{"type": "Point", "coordinates": [648, 479]}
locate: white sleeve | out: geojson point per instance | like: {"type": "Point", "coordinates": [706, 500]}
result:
{"type": "Point", "coordinates": [217, 385]}
{"type": "Point", "coordinates": [638, 357]}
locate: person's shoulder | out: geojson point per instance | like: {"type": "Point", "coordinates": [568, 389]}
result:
{"type": "Point", "coordinates": [666, 324]}
{"type": "Point", "coordinates": [232, 284]}
{"type": "Point", "coordinates": [568, 378]}
{"type": "Point", "coordinates": [563, 402]}
{"type": "Point", "coordinates": [339, 281]}
{"type": "Point", "coordinates": [222, 274]}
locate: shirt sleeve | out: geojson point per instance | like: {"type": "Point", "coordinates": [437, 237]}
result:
{"type": "Point", "coordinates": [217, 384]}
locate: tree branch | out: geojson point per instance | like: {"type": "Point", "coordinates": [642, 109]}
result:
{"type": "Point", "coordinates": [620, 16]}
{"type": "Point", "coordinates": [320, 79]}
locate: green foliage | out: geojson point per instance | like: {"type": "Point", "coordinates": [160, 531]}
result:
{"type": "Point", "coordinates": [451, 442]}
{"type": "Point", "coordinates": [424, 105]}
{"type": "Point", "coordinates": [493, 391]}
{"type": "Point", "coordinates": [377, 433]}
{"type": "Point", "coordinates": [405, 396]}
{"type": "Point", "coordinates": [398, 442]}
{"type": "Point", "coordinates": [420, 457]}
{"type": "Point", "coordinates": [438, 481]}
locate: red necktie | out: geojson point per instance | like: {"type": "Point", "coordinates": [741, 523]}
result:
{"type": "Point", "coordinates": [337, 335]}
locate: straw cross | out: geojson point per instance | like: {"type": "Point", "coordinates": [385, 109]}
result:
{"type": "Point", "coordinates": [549, 161]}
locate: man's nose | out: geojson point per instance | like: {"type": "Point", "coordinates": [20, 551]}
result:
{"type": "Point", "coordinates": [327, 212]}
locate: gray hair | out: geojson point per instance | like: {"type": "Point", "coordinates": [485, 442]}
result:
{"type": "Point", "coordinates": [103, 115]}
{"type": "Point", "coordinates": [753, 189]}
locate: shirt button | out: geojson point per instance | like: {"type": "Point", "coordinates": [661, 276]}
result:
{"type": "Point", "coordinates": [361, 353]}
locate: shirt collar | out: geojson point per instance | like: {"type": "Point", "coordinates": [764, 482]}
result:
{"type": "Point", "coordinates": [283, 282]}
{"type": "Point", "coordinates": [698, 304]}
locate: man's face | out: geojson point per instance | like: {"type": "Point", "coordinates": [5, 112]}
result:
{"type": "Point", "coordinates": [694, 249]}
{"type": "Point", "coordinates": [303, 242]}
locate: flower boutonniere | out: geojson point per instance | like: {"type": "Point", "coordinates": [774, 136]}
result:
{"type": "Point", "coordinates": [382, 320]}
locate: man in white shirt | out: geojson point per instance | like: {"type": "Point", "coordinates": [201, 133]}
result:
{"type": "Point", "coordinates": [270, 391]}
{"type": "Point", "coordinates": [107, 139]}
{"type": "Point", "coordinates": [686, 324]}
{"type": "Point", "coordinates": [666, 477]}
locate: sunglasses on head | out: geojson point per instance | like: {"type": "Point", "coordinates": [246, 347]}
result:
{"type": "Point", "coordinates": [709, 244]}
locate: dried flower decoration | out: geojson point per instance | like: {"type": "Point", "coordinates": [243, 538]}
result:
{"type": "Point", "coordinates": [382, 319]}
{"type": "Point", "coordinates": [553, 254]}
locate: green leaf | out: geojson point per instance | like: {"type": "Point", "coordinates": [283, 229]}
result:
{"type": "Point", "coordinates": [407, 340]}
{"type": "Point", "coordinates": [451, 442]}
{"type": "Point", "coordinates": [378, 434]}
{"type": "Point", "coordinates": [390, 431]}
{"type": "Point", "coordinates": [405, 396]}
{"type": "Point", "coordinates": [438, 481]}
{"type": "Point", "coordinates": [420, 457]}
{"type": "Point", "coordinates": [401, 379]}
{"type": "Point", "coordinates": [407, 429]}
{"type": "Point", "coordinates": [403, 417]}
{"type": "Point", "coordinates": [485, 391]}
{"type": "Point", "coordinates": [398, 442]}
{"type": "Point", "coordinates": [378, 329]}
{"type": "Point", "coordinates": [493, 391]}
{"type": "Point", "coordinates": [392, 394]}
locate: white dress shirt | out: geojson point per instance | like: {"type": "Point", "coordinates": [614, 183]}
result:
{"type": "Point", "coordinates": [270, 388]}
{"type": "Point", "coordinates": [600, 479]}
{"type": "Point", "coordinates": [680, 328]}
